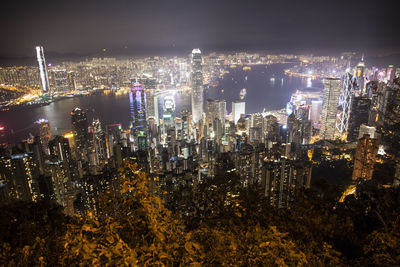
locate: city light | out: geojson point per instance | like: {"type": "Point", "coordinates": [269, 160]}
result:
{"type": "Point", "coordinates": [68, 135]}
{"type": "Point", "coordinates": [265, 146]}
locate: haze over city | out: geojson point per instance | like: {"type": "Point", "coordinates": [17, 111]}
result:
{"type": "Point", "coordinates": [199, 133]}
{"type": "Point", "coordinates": [158, 27]}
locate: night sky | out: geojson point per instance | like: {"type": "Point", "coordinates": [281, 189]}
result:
{"type": "Point", "coordinates": [155, 27]}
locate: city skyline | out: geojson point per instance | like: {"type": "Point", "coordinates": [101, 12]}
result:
{"type": "Point", "coordinates": [199, 133]}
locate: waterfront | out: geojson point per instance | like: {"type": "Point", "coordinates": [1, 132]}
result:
{"type": "Point", "coordinates": [267, 87]}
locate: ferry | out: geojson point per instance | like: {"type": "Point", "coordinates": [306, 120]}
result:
{"type": "Point", "coordinates": [245, 68]}
{"type": "Point", "coordinates": [243, 93]}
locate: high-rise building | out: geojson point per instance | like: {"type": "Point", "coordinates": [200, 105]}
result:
{"type": "Point", "coordinates": [364, 158]}
{"type": "Point", "coordinates": [316, 107]}
{"type": "Point", "coordinates": [113, 137]}
{"type": "Point", "coordinates": [331, 93]}
{"type": "Point", "coordinates": [360, 75]}
{"type": "Point", "coordinates": [169, 113]}
{"type": "Point", "coordinates": [365, 129]}
{"type": "Point", "coordinates": [80, 128]}
{"type": "Point", "coordinates": [60, 80]}
{"type": "Point", "coordinates": [152, 106]}
{"type": "Point", "coordinates": [18, 172]}
{"type": "Point", "coordinates": [360, 108]}
{"type": "Point", "coordinates": [270, 128]}
{"type": "Point", "coordinates": [44, 132]}
{"type": "Point", "coordinates": [197, 86]}
{"type": "Point", "coordinates": [238, 108]}
{"type": "Point", "coordinates": [215, 109]}
{"type": "Point", "coordinates": [138, 109]}
{"type": "Point", "coordinates": [137, 99]}
{"type": "Point", "coordinates": [349, 85]}
{"type": "Point", "coordinates": [43, 69]}
{"type": "Point", "coordinates": [282, 177]}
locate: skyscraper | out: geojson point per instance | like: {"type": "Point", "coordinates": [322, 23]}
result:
{"type": "Point", "coordinates": [360, 75]}
{"type": "Point", "coordinates": [349, 85]}
{"type": "Point", "coordinates": [197, 86]}
{"type": "Point", "coordinates": [215, 109]}
{"type": "Point", "coordinates": [44, 132]}
{"type": "Point", "coordinates": [137, 99]}
{"type": "Point", "coordinates": [316, 107]}
{"type": "Point", "coordinates": [238, 108]}
{"type": "Point", "coordinates": [80, 127]}
{"type": "Point", "coordinates": [169, 112]}
{"type": "Point", "coordinates": [282, 177]}
{"type": "Point", "coordinates": [43, 69]}
{"type": "Point", "coordinates": [331, 93]}
{"type": "Point", "coordinates": [360, 108]}
{"type": "Point", "coordinates": [364, 159]}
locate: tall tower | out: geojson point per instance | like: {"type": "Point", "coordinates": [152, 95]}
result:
{"type": "Point", "coordinates": [197, 86]}
{"type": "Point", "coordinates": [360, 75]}
{"type": "Point", "coordinates": [43, 69]}
{"type": "Point", "coordinates": [137, 99]}
{"type": "Point", "coordinates": [44, 132]}
{"type": "Point", "coordinates": [360, 107]}
{"type": "Point", "coordinates": [215, 109]}
{"type": "Point", "coordinates": [238, 108]}
{"type": "Point", "coordinates": [365, 157]}
{"type": "Point", "coordinates": [80, 127]}
{"type": "Point", "coordinates": [349, 85]}
{"type": "Point", "coordinates": [169, 112]}
{"type": "Point", "coordinates": [332, 92]}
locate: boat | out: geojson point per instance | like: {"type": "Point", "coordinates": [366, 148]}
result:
{"type": "Point", "coordinates": [245, 68]}
{"type": "Point", "coordinates": [245, 78]}
{"type": "Point", "coordinates": [243, 93]}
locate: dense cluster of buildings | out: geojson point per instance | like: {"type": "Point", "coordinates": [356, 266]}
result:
{"type": "Point", "coordinates": [273, 150]}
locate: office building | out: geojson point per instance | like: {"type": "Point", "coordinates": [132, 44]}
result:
{"type": "Point", "coordinates": [80, 128]}
{"type": "Point", "coordinates": [332, 90]}
{"type": "Point", "coordinates": [360, 108]}
{"type": "Point", "coordinates": [197, 86]}
{"type": "Point", "coordinates": [365, 158]}
{"type": "Point", "coordinates": [44, 78]}
{"type": "Point", "coordinates": [282, 177]}
{"type": "Point", "coordinates": [238, 108]}
{"type": "Point", "coordinates": [348, 88]}
{"type": "Point", "coordinates": [44, 132]}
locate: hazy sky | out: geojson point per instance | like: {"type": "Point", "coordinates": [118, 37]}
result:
{"type": "Point", "coordinates": [146, 26]}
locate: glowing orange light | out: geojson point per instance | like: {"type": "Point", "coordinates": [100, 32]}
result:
{"type": "Point", "coordinates": [68, 135]}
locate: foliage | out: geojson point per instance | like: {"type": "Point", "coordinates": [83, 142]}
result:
{"type": "Point", "coordinates": [218, 223]}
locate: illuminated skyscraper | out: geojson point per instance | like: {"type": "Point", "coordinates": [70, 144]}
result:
{"type": "Point", "coordinates": [360, 108]}
{"type": "Point", "coordinates": [44, 132]}
{"type": "Point", "coordinates": [60, 80]}
{"type": "Point", "coordinates": [197, 86]}
{"type": "Point", "coordinates": [282, 177]}
{"type": "Point", "coordinates": [238, 108]}
{"type": "Point", "coordinates": [215, 109]}
{"type": "Point", "coordinates": [365, 157]}
{"type": "Point", "coordinates": [349, 85]}
{"type": "Point", "coordinates": [331, 93]}
{"type": "Point", "coordinates": [360, 75]}
{"type": "Point", "coordinates": [80, 127]}
{"type": "Point", "coordinates": [137, 99]}
{"type": "Point", "coordinates": [169, 112]}
{"type": "Point", "coordinates": [43, 69]}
